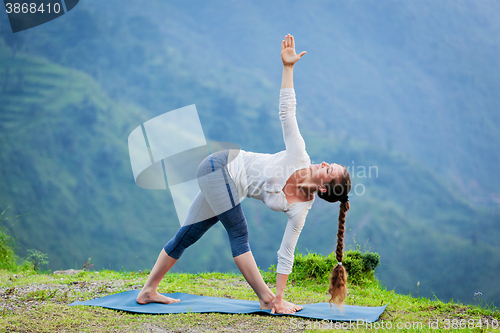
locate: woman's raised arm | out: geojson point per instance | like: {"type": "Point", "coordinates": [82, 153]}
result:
{"type": "Point", "coordinates": [294, 142]}
{"type": "Point", "coordinates": [289, 58]}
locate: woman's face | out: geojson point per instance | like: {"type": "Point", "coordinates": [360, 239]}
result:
{"type": "Point", "coordinates": [325, 172]}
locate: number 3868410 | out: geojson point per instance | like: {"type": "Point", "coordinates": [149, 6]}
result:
{"type": "Point", "coordinates": [32, 8]}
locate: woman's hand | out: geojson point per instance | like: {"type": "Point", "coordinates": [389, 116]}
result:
{"type": "Point", "coordinates": [288, 55]}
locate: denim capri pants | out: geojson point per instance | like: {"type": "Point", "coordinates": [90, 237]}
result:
{"type": "Point", "coordinates": [217, 191]}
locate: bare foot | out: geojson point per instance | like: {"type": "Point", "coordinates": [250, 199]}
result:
{"type": "Point", "coordinates": [282, 306]}
{"type": "Point", "coordinates": [146, 297]}
{"type": "Point", "coordinates": [289, 305]}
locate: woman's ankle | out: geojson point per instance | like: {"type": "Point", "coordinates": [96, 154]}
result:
{"type": "Point", "coordinates": [267, 298]}
{"type": "Point", "coordinates": [148, 289]}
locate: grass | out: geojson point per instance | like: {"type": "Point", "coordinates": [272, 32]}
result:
{"type": "Point", "coordinates": [34, 302]}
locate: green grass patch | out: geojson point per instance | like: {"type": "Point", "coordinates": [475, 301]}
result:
{"type": "Point", "coordinates": [37, 302]}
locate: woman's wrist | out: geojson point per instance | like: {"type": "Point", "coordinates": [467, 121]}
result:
{"type": "Point", "coordinates": [287, 77]}
{"type": "Point", "coordinates": [280, 285]}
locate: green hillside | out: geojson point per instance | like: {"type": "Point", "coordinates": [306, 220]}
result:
{"type": "Point", "coordinates": [420, 78]}
{"type": "Point", "coordinates": [65, 165]}
{"type": "Point", "coordinates": [422, 229]}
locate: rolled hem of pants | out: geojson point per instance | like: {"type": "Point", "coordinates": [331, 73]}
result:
{"type": "Point", "coordinates": [172, 253]}
{"type": "Point", "coordinates": [239, 253]}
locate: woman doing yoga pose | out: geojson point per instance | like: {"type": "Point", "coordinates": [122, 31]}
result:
{"type": "Point", "coordinates": [285, 181]}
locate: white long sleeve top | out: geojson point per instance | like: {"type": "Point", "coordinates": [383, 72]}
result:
{"type": "Point", "coordinates": [263, 176]}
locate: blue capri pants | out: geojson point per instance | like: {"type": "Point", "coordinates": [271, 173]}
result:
{"type": "Point", "coordinates": [217, 191]}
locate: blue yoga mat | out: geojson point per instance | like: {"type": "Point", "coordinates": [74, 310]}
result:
{"type": "Point", "coordinates": [126, 301]}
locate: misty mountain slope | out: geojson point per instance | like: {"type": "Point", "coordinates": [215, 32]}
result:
{"type": "Point", "coordinates": [420, 78]}
{"type": "Point", "coordinates": [65, 167]}
{"type": "Point", "coordinates": [422, 228]}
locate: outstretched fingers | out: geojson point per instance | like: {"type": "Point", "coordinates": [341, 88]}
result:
{"type": "Point", "coordinates": [290, 42]}
{"type": "Point", "coordinates": [288, 54]}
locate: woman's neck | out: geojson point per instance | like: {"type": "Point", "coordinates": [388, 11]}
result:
{"type": "Point", "coordinates": [301, 183]}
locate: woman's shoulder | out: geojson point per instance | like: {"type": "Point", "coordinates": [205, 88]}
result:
{"type": "Point", "coordinates": [298, 157]}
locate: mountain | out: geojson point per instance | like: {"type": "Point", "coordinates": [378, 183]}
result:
{"type": "Point", "coordinates": [420, 78]}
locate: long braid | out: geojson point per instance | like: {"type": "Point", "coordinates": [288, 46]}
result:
{"type": "Point", "coordinates": [338, 280]}
{"type": "Point", "coordinates": [338, 191]}
{"type": "Point", "coordinates": [340, 234]}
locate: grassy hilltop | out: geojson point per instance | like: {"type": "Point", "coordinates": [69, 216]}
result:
{"type": "Point", "coordinates": [35, 301]}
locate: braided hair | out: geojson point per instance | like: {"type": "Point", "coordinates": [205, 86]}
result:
{"type": "Point", "coordinates": [338, 280]}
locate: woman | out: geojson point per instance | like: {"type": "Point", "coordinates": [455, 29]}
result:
{"type": "Point", "coordinates": [285, 181]}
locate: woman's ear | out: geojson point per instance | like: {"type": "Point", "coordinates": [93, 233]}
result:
{"type": "Point", "coordinates": [322, 189]}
